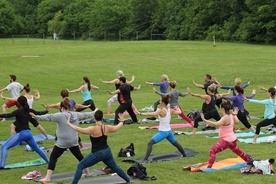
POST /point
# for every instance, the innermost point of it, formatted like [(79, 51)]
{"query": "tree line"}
[(228, 20)]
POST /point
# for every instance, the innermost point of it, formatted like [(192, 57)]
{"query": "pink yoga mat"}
[(172, 126)]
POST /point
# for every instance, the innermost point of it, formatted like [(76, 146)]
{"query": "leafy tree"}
[(7, 17)]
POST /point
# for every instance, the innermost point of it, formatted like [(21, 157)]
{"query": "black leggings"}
[(264, 123), (207, 115), (242, 117), (57, 152), (125, 107), (87, 102)]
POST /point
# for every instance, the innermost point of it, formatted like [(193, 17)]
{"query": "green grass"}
[(62, 64)]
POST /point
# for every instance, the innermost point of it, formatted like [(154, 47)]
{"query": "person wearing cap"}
[(115, 81), (124, 99), (14, 88)]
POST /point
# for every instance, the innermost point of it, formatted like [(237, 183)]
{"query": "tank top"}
[(226, 132), (30, 102), (86, 95), (164, 122), (211, 106), (99, 143)]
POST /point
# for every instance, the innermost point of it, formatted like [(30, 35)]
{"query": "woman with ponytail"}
[(23, 131), (209, 106), (85, 90), (238, 103), (164, 131), (67, 138), (226, 134), (269, 113)]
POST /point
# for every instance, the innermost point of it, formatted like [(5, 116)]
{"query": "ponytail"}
[(88, 83), (173, 84), (166, 99), (27, 88)]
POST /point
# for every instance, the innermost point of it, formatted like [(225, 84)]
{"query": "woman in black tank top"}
[(100, 149), (209, 106)]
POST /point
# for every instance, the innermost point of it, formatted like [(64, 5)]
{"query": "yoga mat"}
[(164, 156), (106, 180), (198, 132), (171, 125), (34, 162), (70, 175), (39, 137), (242, 134), (86, 145), (259, 140), (226, 164)]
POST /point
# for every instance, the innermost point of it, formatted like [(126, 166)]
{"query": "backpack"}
[(140, 172), (128, 122), (127, 152), (193, 114)]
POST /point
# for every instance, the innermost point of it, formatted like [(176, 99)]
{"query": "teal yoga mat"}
[(28, 163), (259, 140), (243, 134)]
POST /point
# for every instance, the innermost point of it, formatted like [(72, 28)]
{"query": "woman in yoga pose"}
[(163, 85), (86, 94), (66, 137), (100, 150), (23, 132), (269, 113), (226, 134), (209, 106), (116, 82), (164, 131), (30, 100), (238, 100), (174, 94)]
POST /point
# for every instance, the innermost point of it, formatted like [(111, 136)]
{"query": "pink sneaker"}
[(31, 175)]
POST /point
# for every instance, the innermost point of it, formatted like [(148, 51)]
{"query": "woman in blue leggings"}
[(100, 149), (23, 132)]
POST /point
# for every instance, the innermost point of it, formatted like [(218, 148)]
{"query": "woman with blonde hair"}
[(209, 106), (163, 86), (116, 82)]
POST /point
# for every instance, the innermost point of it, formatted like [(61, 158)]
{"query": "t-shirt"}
[(207, 84), (163, 86), (124, 95), (14, 88)]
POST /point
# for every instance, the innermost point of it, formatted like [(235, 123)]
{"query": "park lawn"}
[(62, 64)]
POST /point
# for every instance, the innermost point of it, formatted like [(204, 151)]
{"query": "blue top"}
[(86, 95), (237, 100), (163, 86), (269, 107), (232, 88)]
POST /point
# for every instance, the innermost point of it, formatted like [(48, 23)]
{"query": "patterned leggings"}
[(223, 145)]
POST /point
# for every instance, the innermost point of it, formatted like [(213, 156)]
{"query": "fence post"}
[(74, 37), (12, 39), (137, 36), (119, 35), (43, 39), (28, 39), (151, 35)]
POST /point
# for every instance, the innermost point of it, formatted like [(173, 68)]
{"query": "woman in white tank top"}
[(164, 131)]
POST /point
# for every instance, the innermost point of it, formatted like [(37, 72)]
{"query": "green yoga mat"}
[(38, 161)]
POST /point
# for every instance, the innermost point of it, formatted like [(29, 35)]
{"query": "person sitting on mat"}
[(66, 137), (174, 94), (100, 150), (164, 131), (23, 132), (226, 134), (209, 106), (269, 113), (238, 103), (163, 86)]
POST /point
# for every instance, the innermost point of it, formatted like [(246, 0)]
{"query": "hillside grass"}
[(62, 64)]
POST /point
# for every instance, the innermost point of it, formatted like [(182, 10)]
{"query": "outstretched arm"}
[(132, 79), (137, 88), (37, 95), (7, 98), (119, 125), (2, 90), (42, 130), (219, 123), (205, 97), (263, 88), (87, 130), (114, 92), (155, 113), (80, 106), (223, 94), (109, 82), (149, 83), (245, 85), (94, 87), (198, 85), (75, 90), (252, 95)]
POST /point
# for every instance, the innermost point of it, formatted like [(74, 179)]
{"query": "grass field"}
[(62, 64)]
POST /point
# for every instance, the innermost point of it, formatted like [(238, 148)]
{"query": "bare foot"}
[(45, 179), (3, 119)]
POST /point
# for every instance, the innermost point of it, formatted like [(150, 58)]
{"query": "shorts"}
[(113, 99), (10, 103)]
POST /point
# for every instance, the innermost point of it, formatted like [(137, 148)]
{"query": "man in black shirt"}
[(124, 99)]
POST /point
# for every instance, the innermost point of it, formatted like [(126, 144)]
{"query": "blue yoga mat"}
[(39, 137), (242, 134), (34, 162), (259, 140)]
